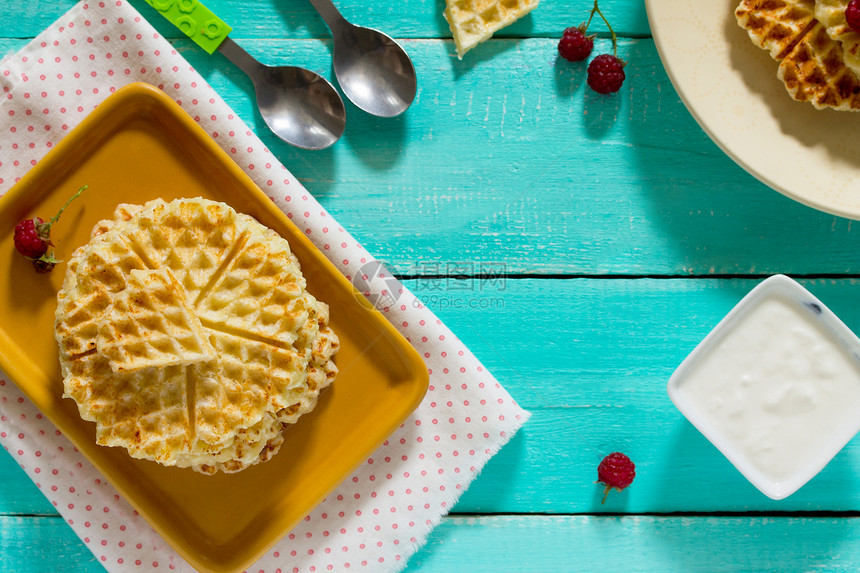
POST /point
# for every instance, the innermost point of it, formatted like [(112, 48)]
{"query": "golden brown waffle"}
[(776, 25), (814, 71), (149, 324), (86, 295), (810, 62), (147, 414), (831, 14), (251, 291), (186, 333), (191, 238), (473, 21)]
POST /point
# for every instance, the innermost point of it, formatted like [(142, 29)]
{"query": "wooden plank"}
[(40, 544), (550, 467), (641, 544), (528, 172), (18, 494), (565, 343), (595, 381), (546, 543), (400, 19), (530, 169)]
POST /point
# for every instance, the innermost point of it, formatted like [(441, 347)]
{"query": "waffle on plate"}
[(831, 14), (186, 333), (811, 63)]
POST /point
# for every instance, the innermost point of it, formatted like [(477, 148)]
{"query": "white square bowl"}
[(775, 386)]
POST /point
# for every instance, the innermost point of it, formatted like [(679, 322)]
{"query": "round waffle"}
[(186, 333)]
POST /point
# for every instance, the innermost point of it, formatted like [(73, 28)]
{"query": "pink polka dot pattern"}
[(382, 513)]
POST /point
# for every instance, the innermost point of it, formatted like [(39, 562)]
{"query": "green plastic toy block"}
[(195, 21)]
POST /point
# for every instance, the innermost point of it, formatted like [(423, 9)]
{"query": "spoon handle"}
[(242, 59), (329, 13), (195, 21)]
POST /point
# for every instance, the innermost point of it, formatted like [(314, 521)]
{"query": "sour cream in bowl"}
[(775, 386)]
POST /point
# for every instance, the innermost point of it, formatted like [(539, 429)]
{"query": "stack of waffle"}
[(187, 335), (816, 49)]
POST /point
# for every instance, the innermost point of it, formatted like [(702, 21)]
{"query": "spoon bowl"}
[(298, 105), (313, 117), (373, 70)]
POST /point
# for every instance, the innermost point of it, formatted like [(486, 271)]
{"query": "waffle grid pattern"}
[(209, 384)]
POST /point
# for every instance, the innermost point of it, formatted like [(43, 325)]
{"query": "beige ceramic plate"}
[(730, 87)]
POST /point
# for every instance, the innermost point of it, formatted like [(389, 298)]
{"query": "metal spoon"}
[(373, 70), (298, 105)]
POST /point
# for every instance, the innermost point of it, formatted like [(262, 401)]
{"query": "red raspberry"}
[(615, 471), (852, 15), (32, 238), (574, 45), (27, 239), (606, 74)]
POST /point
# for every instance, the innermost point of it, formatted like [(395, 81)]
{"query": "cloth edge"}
[(422, 538)]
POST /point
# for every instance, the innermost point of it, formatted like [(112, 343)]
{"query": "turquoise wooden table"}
[(581, 245)]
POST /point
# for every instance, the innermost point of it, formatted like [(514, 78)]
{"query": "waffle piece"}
[(122, 214), (146, 412), (810, 62), (814, 72), (191, 238), (187, 335), (473, 21), (831, 14), (93, 275), (149, 324), (260, 289), (776, 25)]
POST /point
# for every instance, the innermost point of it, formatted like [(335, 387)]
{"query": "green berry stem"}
[(590, 16), (44, 229), (53, 219), (606, 493), (605, 21)]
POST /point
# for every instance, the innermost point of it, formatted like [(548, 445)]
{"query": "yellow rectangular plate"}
[(136, 146)]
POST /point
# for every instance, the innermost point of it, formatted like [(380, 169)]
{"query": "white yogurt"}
[(775, 388)]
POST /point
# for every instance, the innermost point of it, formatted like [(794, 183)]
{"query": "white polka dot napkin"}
[(381, 514)]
